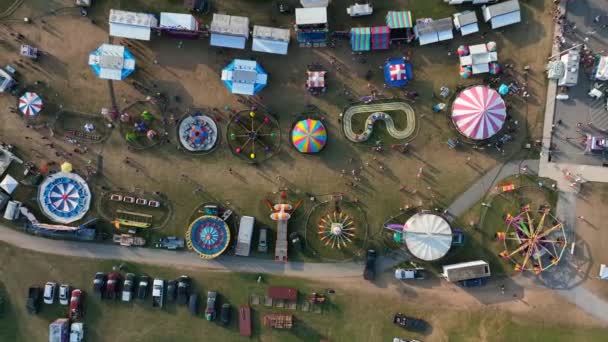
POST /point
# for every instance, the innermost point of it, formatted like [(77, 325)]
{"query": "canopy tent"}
[(400, 24), (360, 38), (244, 77), (431, 31), (316, 79), (381, 37), (9, 184), (397, 72), (6, 81), (270, 40), (358, 10), (603, 272), (502, 14), (112, 62), (466, 22), (479, 112), (479, 58), (178, 21), (571, 61), (309, 136), (601, 69), (314, 3), (427, 236), (229, 31), (30, 104), (131, 25)]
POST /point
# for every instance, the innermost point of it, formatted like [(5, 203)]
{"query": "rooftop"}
[(439, 25), (273, 33), (311, 16), (229, 24), (504, 8)]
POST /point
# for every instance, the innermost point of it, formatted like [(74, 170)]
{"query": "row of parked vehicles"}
[(112, 286)]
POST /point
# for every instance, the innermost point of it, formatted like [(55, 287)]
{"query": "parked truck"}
[(128, 240), (158, 289)]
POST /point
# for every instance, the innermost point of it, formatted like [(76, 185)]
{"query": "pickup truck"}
[(410, 273), (158, 293), (128, 287), (210, 310), (33, 300)]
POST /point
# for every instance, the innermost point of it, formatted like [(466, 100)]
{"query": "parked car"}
[(410, 323), (193, 304), (99, 284), (369, 273), (296, 242), (171, 290), (225, 314), (171, 243), (112, 285), (49, 292), (263, 240), (158, 293), (128, 287), (116, 197), (154, 204), (144, 284), (141, 201), (33, 300), (75, 311), (410, 273), (183, 289), (128, 199), (210, 310), (77, 332), (64, 294)]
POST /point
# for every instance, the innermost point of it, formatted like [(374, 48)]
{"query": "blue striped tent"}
[(360, 38)]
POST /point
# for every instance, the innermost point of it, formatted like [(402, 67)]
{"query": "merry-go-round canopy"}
[(208, 236), (244, 77), (30, 104), (479, 112), (112, 62), (64, 197), (309, 136), (397, 72), (198, 133), (428, 236)]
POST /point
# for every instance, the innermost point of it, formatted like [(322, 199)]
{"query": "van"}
[(263, 241)]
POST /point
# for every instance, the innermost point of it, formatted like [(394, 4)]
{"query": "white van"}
[(49, 292)]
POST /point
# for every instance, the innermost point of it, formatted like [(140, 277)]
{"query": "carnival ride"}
[(533, 244), (337, 228), (479, 112), (82, 232), (281, 213), (427, 236), (397, 72), (198, 133), (309, 136), (378, 112), (249, 132), (30, 104), (130, 219), (209, 236), (64, 197)]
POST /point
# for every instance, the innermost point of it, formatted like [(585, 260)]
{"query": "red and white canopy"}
[(479, 112), (397, 72), (30, 104), (316, 79)]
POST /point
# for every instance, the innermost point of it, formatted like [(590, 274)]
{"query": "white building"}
[(12, 210), (270, 40), (430, 31), (571, 62), (229, 31), (131, 25), (466, 22), (502, 14)]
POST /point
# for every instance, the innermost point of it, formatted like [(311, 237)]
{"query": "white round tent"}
[(428, 236)]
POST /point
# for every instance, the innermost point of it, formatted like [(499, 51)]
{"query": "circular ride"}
[(336, 229), (309, 136), (255, 136), (208, 236), (479, 112), (198, 133), (427, 236), (533, 241), (64, 197)]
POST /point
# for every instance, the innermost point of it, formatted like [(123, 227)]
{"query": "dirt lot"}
[(192, 73)]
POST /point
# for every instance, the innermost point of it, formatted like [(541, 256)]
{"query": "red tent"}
[(380, 37)]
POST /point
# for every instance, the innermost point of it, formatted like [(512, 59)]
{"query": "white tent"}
[(428, 236), (131, 25), (270, 40), (466, 22), (9, 184), (601, 70), (178, 21), (502, 14), (571, 62), (603, 272), (314, 3), (229, 31)]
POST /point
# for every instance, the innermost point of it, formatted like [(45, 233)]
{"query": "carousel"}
[(64, 197), (208, 236), (479, 112), (198, 133)]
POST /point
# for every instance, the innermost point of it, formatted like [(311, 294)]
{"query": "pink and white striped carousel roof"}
[(479, 112)]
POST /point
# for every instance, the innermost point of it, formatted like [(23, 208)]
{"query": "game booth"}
[(244, 77), (229, 31), (198, 133), (401, 26), (397, 72), (309, 136), (131, 25), (64, 197), (208, 236), (479, 112), (112, 62), (311, 26), (179, 25)]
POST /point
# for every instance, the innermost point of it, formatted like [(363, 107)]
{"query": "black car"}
[(369, 273), (410, 323), (171, 290), (193, 304), (142, 289), (99, 284), (183, 289), (225, 314), (34, 295), (296, 242)]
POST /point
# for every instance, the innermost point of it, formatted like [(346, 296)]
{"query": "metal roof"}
[(272, 33), (311, 16), (438, 25), (132, 18), (503, 8), (467, 18), (230, 24)]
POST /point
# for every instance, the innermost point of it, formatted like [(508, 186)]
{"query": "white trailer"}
[(466, 271), (243, 243)]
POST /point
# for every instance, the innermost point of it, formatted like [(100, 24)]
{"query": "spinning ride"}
[(251, 132), (198, 133), (336, 229), (208, 236), (64, 197), (533, 244)]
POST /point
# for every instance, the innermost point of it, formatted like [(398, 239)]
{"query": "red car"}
[(75, 311), (114, 280)]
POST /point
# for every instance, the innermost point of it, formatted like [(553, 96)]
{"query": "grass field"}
[(352, 315)]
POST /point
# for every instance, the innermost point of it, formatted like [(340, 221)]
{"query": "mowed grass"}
[(351, 315)]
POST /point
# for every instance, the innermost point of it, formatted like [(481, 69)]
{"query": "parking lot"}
[(581, 114)]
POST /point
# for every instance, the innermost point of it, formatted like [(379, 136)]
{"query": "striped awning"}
[(380, 37), (399, 19), (360, 38)]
